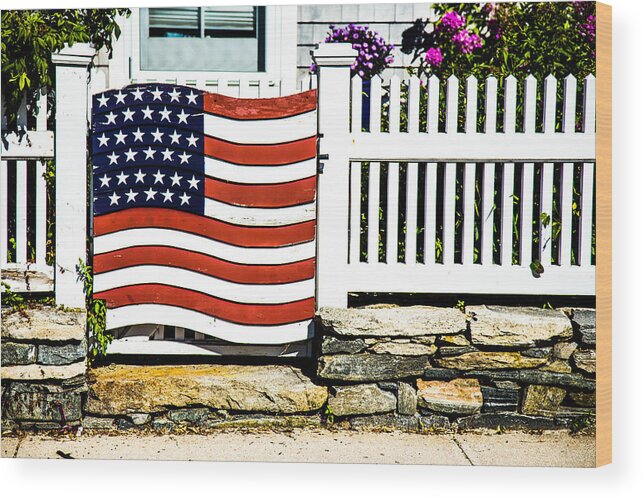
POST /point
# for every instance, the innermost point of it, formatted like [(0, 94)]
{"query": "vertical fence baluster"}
[(223, 87), (4, 211), (392, 211), (179, 333), (506, 245), (589, 122), (448, 242), (566, 199), (41, 216), (263, 88), (546, 206), (394, 105), (414, 105), (41, 117), (430, 212), (530, 105), (569, 109), (356, 104), (433, 105), (355, 211), (509, 125), (452, 105), (376, 105), (488, 209), (245, 92), (526, 213), (468, 224), (21, 211), (549, 114), (587, 205), (411, 212), (373, 212), (472, 105), (491, 105)]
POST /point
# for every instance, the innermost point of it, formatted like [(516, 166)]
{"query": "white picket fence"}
[(455, 231)]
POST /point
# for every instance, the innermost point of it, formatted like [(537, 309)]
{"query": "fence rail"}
[(454, 187)]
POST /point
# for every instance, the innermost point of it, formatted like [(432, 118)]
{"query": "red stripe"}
[(164, 218), (262, 196), (240, 313), (205, 264), (270, 154), (260, 109)]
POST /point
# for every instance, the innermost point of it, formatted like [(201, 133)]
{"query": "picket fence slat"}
[(506, 224), (589, 123), (4, 211), (41, 116), (491, 105), (433, 105), (448, 242), (452, 104), (569, 99), (586, 223), (488, 178), (549, 116), (376, 105), (546, 209), (356, 104), (526, 213), (511, 87), (355, 211), (411, 213), (472, 105), (394, 105), (430, 212), (468, 227), (392, 208), (414, 105), (41, 215), (373, 212), (566, 199), (530, 105)]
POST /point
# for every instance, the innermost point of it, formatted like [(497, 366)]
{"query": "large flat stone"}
[(57, 355), (18, 353), (509, 421), (391, 322), (585, 320), (537, 377), (47, 323), (541, 400), (517, 327), (370, 367), (361, 399), (133, 389), (41, 403), (490, 360), (402, 347), (37, 372), (585, 360), (459, 396), (330, 345)]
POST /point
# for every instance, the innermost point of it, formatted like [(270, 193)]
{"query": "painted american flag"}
[(204, 214)]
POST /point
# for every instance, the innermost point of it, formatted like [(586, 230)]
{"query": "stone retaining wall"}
[(43, 368), (410, 368)]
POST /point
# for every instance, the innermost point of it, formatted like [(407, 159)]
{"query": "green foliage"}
[(96, 311), (329, 415), (12, 299), (29, 37)]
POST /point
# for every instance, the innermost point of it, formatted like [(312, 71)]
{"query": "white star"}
[(184, 157), (147, 113), (150, 194), (157, 135), (157, 93), (128, 115), (137, 94), (130, 154), (167, 154), (111, 119), (194, 183), (103, 140), (149, 153), (103, 99), (131, 195), (175, 137), (120, 137), (113, 158), (105, 180), (114, 199), (192, 140), (122, 178), (138, 135), (185, 199), (192, 97), (140, 176), (167, 195), (120, 97), (176, 180), (174, 95), (165, 114), (183, 117), (158, 177)]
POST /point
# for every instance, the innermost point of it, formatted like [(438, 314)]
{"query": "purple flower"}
[(434, 56), (451, 21), (466, 42)]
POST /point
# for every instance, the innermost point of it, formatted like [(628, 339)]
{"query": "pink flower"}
[(466, 42), (434, 56), (451, 21)]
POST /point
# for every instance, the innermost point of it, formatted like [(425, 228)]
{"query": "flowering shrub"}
[(492, 38), (374, 53)]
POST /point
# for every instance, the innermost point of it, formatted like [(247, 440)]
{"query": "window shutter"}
[(174, 19), (237, 18)]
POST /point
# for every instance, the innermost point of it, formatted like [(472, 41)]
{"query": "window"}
[(203, 39)]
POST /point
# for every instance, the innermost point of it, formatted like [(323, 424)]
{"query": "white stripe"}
[(218, 288), (259, 174), (273, 217), (174, 316), (273, 131), (192, 242)]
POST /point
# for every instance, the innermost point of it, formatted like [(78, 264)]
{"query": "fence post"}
[(333, 62), (71, 170)]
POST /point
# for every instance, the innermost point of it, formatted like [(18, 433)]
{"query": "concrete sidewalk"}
[(318, 445)]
